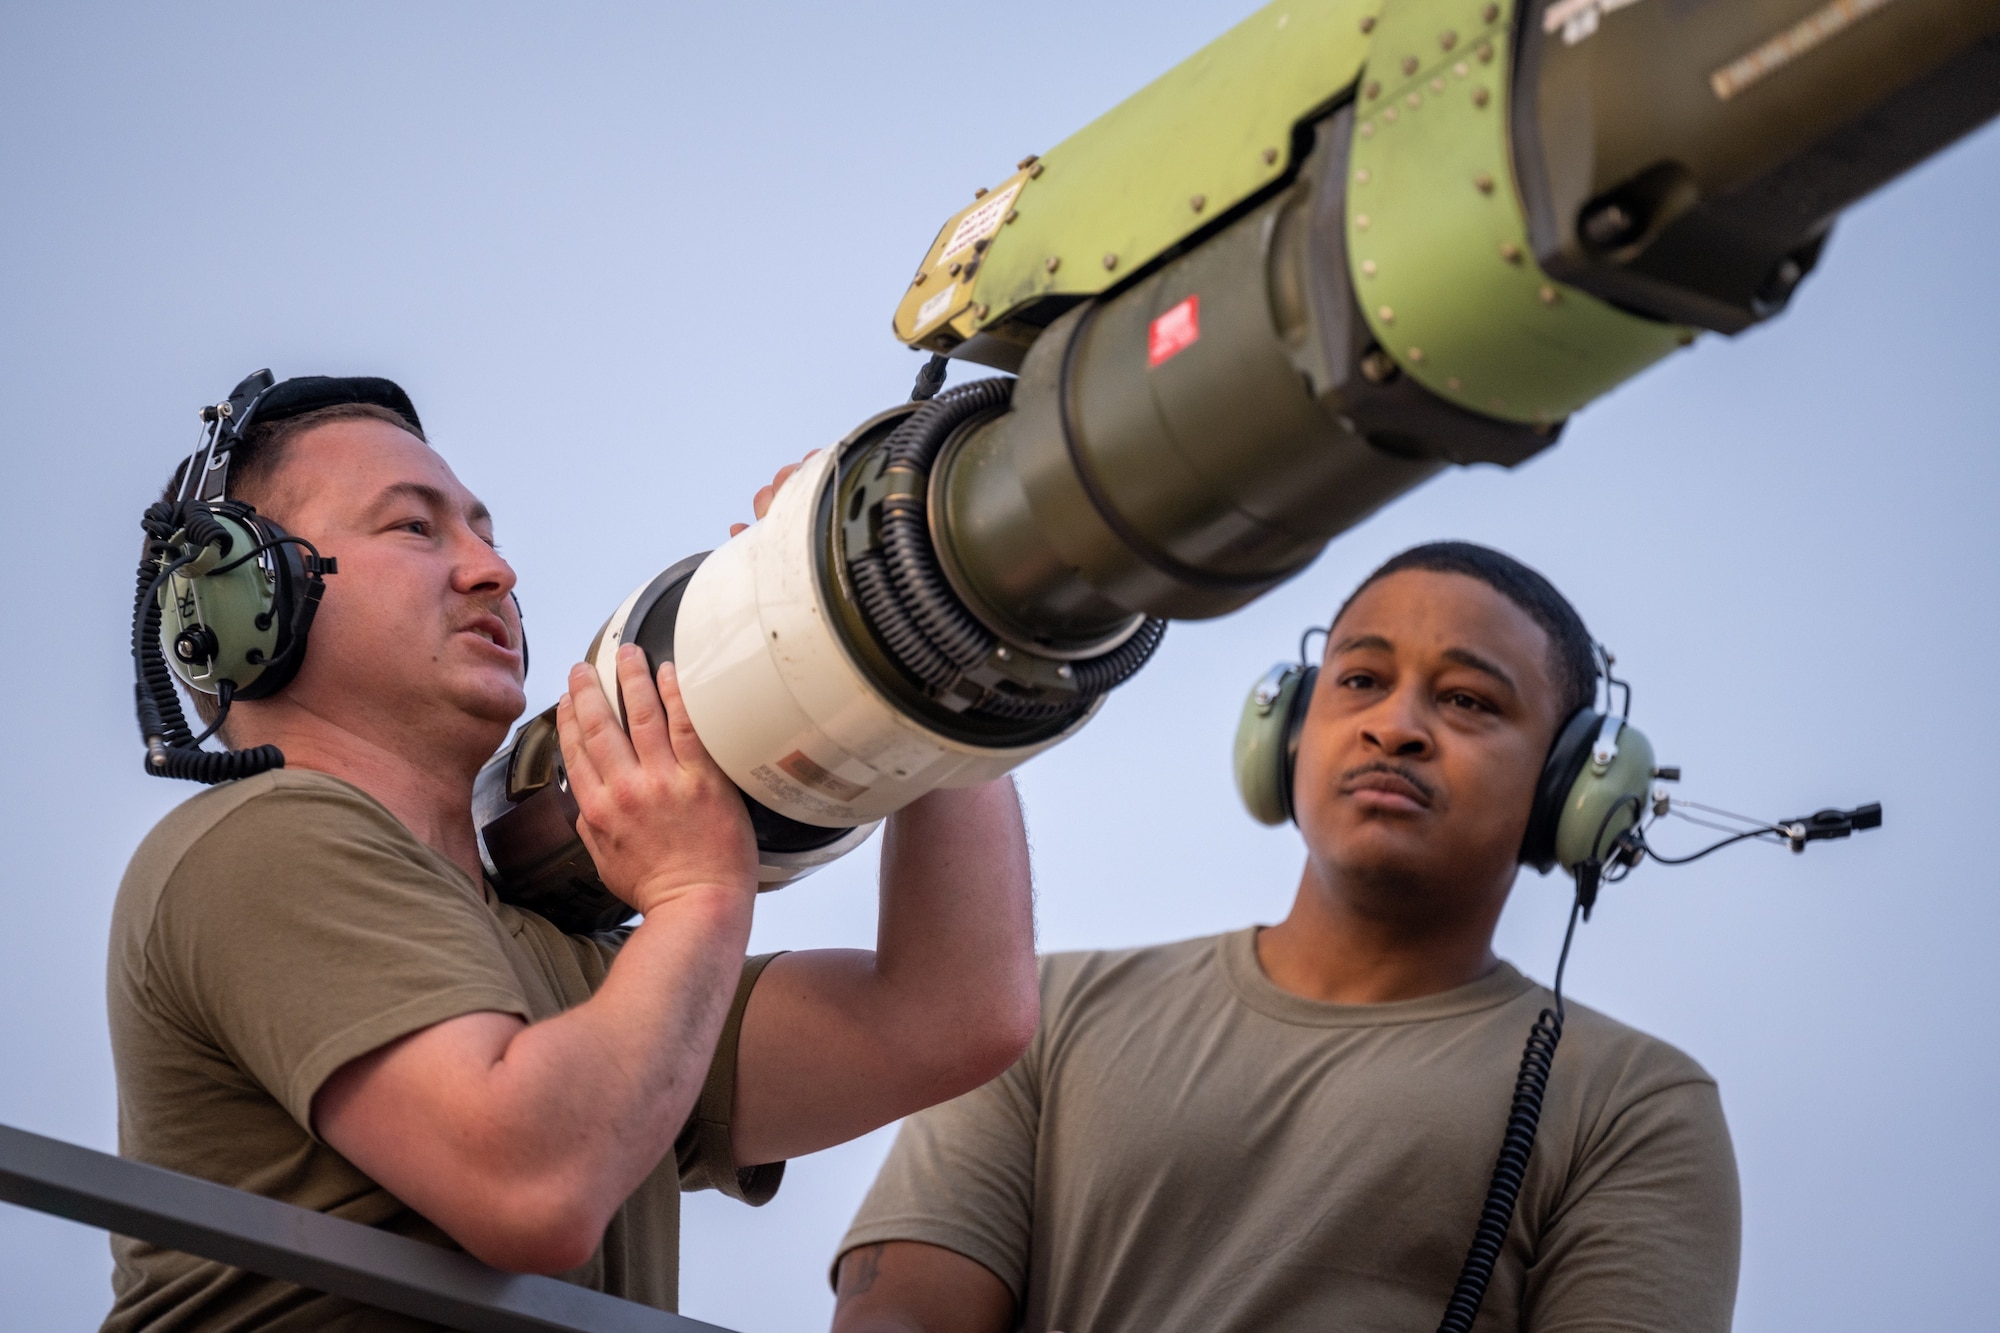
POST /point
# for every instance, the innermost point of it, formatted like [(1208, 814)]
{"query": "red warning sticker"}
[(1174, 332)]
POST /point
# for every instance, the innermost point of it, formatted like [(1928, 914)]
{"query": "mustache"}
[(1424, 789)]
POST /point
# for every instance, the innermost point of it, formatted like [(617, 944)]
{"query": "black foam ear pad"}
[(1559, 774), (521, 619), (1295, 725)]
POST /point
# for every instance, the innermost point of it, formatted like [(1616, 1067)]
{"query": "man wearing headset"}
[(1293, 1126), (314, 994)]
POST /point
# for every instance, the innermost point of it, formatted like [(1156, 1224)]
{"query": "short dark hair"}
[(1572, 652), (257, 457)]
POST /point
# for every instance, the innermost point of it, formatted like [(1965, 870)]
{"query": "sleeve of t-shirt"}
[(961, 1175), (1647, 1236), (704, 1152), (307, 928)]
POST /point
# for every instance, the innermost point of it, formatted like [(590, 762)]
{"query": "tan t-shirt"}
[(266, 933), (1186, 1146)]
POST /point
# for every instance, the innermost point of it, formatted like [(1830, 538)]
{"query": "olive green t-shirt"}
[(1186, 1146), (267, 932)]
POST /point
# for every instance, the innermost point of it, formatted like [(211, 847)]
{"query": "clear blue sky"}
[(627, 258)]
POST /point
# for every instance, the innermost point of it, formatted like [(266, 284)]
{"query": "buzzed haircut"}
[(1572, 652), (258, 455)]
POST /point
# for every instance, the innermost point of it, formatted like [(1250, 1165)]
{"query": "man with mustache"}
[(315, 995), (1293, 1126)]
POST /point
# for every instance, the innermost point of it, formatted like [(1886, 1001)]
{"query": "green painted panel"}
[(1194, 143), (1437, 239)]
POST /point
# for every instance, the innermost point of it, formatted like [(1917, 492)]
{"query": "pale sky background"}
[(627, 258)]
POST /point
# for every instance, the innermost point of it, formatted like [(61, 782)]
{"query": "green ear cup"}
[(1608, 797), (218, 617), (1263, 743)]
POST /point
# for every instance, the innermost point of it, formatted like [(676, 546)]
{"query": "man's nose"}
[(1396, 731), (481, 569)]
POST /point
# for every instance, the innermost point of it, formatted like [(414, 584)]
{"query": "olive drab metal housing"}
[(1346, 245)]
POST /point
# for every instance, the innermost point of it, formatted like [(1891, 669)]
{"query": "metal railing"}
[(311, 1249)]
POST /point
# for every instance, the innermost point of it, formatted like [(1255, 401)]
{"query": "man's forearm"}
[(837, 1042)]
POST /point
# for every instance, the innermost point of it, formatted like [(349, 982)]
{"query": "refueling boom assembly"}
[(1346, 245)]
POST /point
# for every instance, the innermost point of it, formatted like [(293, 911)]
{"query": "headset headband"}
[(258, 400)]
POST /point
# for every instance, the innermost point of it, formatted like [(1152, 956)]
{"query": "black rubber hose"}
[(885, 613), (1101, 674)]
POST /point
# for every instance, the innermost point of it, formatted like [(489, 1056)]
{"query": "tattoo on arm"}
[(859, 1270)]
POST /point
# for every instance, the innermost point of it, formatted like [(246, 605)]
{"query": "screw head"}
[(1416, 355), (1373, 90), (918, 281), (1387, 314), (1483, 183), (1409, 64), (1415, 100), (979, 246), (1362, 177), (1461, 69), (1437, 84), (1447, 39), (955, 267), (1368, 267), (1510, 252), (979, 311), (1548, 295), (979, 193), (1035, 172), (1110, 262), (1198, 202), (1367, 23), (1026, 162), (1361, 221), (1486, 53), (1063, 670), (1003, 653), (1367, 129), (1377, 367), (1012, 213), (1389, 115), (1270, 156), (1480, 96), (1052, 263), (1490, 13)]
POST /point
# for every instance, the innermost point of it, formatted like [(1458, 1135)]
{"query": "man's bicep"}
[(911, 1287), (1652, 1237), (395, 1111)]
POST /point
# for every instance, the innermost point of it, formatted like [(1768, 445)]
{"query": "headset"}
[(1593, 790), (226, 597)]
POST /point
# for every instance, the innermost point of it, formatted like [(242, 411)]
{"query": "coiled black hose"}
[(904, 593), (1524, 1117)]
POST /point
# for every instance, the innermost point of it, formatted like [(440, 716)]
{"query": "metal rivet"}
[(1548, 294), (980, 310), (1373, 90), (1361, 222), (1415, 99), (1490, 13), (1026, 162), (1198, 203), (918, 281), (1362, 177), (1012, 213), (1110, 261), (1437, 85), (1270, 156), (1480, 96), (1409, 64), (1454, 383), (1003, 654), (1035, 172), (1486, 53), (1510, 252), (1367, 23), (955, 267), (971, 267), (1052, 263), (1389, 115), (1483, 183), (979, 246), (1387, 314), (1461, 69), (1367, 129), (979, 193), (1368, 267), (1447, 39), (1064, 671), (1417, 354)]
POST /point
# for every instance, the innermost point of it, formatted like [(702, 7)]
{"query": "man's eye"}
[(1358, 680), (1460, 699), (419, 526)]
